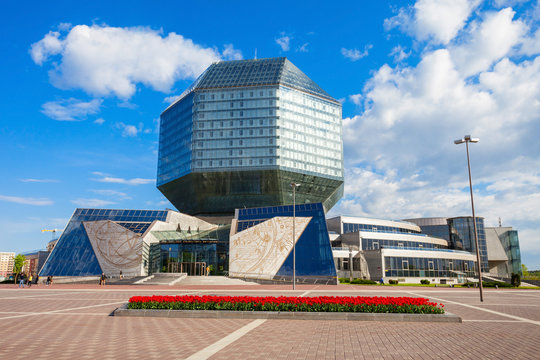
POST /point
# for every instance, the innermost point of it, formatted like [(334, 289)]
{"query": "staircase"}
[(162, 279)]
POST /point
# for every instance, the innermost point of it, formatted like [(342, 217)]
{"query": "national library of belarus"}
[(229, 149)]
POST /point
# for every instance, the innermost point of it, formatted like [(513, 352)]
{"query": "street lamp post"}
[(294, 186), (467, 139)]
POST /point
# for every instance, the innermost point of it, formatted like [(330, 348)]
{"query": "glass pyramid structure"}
[(73, 254)]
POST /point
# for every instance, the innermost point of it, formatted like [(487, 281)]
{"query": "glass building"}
[(462, 237), (242, 132)]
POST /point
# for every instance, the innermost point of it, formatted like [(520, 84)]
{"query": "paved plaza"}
[(74, 322)]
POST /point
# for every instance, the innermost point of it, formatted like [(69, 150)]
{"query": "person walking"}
[(48, 280), (102, 279), (21, 280), (30, 280)]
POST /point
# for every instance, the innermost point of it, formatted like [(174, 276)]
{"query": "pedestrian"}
[(121, 275), (51, 279), (21, 280), (207, 270), (37, 279), (102, 279), (30, 280), (48, 280)]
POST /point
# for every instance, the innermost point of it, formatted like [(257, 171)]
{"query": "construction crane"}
[(53, 231)]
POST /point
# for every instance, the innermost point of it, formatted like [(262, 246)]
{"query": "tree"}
[(524, 270), (18, 265)]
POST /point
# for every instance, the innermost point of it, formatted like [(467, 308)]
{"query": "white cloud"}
[(115, 180), (436, 20), (284, 42), (92, 203), (355, 54), (407, 164), (99, 121), (64, 26), (129, 130), (40, 180), (488, 41), (441, 20), (171, 99), (303, 48), (104, 60), (70, 109), (48, 46), (399, 53), (230, 53), (112, 193), (26, 200), (356, 99)]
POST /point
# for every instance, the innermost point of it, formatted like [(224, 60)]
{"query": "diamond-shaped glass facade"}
[(244, 129)]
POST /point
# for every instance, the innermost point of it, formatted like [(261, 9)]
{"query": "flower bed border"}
[(355, 304), (343, 316)]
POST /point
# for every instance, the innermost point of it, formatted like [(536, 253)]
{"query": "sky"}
[(83, 87)]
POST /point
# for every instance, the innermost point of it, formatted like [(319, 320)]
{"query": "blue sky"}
[(83, 87)]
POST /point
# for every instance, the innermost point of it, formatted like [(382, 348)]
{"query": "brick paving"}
[(72, 321)]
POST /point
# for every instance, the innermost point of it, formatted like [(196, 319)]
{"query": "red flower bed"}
[(375, 304)]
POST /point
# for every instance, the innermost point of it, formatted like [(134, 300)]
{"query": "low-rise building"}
[(7, 260)]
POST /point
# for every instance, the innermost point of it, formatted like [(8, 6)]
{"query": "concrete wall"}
[(374, 264)]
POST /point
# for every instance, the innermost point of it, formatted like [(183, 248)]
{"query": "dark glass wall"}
[(175, 141), (462, 237), (439, 231), (510, 242), (221, 192)]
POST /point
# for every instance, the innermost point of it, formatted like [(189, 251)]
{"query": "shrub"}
[(363, 281), (495, 284), (516, 280), (344, 280), (424, 282), (393, 282)]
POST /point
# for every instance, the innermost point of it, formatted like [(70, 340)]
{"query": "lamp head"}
[(471, 139)]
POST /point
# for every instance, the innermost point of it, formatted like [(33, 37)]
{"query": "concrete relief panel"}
[(116, 248), (259, 252)]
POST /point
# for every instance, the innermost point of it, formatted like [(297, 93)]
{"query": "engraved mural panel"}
[(259, 251), (116, 248)]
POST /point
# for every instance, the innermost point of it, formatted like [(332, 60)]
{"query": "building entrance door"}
[(191, 268)]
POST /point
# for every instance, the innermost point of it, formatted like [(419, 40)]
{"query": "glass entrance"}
[(190, 268), (193, 259)]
